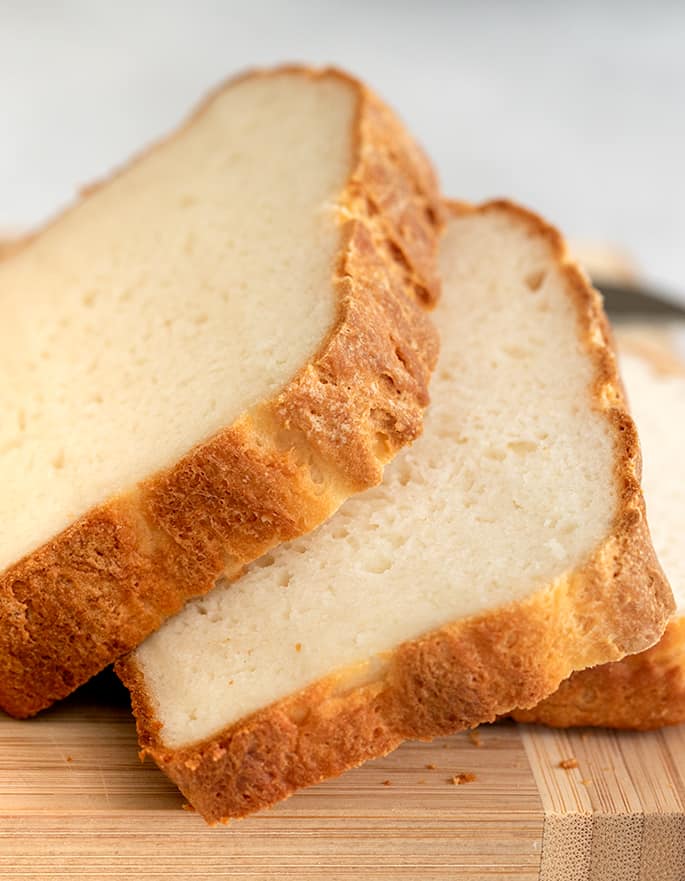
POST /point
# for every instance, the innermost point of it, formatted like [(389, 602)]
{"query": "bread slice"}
[(646, 690), (202, 358), (505, 549)]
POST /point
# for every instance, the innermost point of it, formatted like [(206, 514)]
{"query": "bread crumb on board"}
[(430, 766), (474, 736), (462, 777), (387, 783), (569, 764)]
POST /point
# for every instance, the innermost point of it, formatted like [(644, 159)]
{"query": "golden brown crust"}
[(641, 692), (646, 690), (102, 585), (459, 676)]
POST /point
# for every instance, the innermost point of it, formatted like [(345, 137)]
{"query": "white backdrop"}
[(578, 109)]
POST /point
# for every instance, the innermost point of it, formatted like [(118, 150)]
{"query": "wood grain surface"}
[(76, 803)]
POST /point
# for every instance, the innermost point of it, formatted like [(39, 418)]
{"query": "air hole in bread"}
[(522, 447), (534, 280)]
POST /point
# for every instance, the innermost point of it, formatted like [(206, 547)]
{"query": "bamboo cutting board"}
[(76, 803)]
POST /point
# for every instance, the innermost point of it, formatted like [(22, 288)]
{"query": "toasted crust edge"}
[(458, 676), (100, 587), (643, 691), (640, 693)]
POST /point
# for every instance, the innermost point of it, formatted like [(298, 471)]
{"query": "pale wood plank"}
[(620, 814), (103, 815)]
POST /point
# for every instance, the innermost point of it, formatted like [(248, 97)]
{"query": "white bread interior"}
[(196, 283), (657, 403), (511, 486), (645, 690)]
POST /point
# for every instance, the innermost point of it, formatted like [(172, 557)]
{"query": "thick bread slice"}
[(503, 550), (646, 690), (203, 358)]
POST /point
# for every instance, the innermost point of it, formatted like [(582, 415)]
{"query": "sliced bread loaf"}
[(503, 550), (646, 690), (202, 358)]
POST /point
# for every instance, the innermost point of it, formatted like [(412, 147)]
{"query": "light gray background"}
[(575, 108)]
